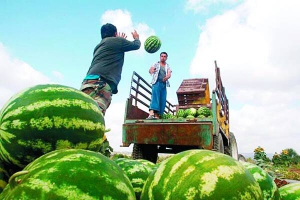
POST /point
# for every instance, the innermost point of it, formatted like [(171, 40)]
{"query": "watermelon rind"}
[(201, 174), (71, 174)]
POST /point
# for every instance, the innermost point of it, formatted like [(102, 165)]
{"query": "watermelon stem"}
[(12, 180)]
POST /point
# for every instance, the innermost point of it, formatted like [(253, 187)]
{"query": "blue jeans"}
[(159, 97)]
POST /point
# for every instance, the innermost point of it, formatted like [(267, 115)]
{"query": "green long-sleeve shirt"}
[(108, 59)]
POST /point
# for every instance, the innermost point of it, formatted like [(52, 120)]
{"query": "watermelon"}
[(147, 163), (201, 174), (201, 116), (47, 117), (290, 191), (190, 111), (70, 174), (204, 111), (190, 117), (180, 113), (137, 172), (152, 44), (265, 181)]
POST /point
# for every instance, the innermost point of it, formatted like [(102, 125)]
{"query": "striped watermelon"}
[(290, 191), (70, 174), (201, 174), (47, 117), (265, 181), (137, 172), (152, 44), (180, 113), (204, 111)]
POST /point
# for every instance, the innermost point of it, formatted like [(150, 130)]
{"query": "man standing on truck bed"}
[(104, 74), (161, 72)]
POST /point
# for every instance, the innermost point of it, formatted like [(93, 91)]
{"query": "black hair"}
[(108, 30), (163, 53)]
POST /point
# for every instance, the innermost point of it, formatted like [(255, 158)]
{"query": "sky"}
[(255, 43)]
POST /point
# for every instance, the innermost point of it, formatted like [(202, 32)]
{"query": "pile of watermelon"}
[(50, 138), (190, 113)]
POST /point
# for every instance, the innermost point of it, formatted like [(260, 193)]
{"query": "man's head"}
[(108, 30), (163, 56)]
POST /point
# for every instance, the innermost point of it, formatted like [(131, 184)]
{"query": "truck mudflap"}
[(186, 134)]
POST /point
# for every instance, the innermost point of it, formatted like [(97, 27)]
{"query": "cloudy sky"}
[(255, 43)]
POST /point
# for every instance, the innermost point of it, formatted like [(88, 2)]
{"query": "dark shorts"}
[(100, 91)]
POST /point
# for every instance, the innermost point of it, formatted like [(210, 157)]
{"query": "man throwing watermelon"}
[(161, 72), (104, 74)]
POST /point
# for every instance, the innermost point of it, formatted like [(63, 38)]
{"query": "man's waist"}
[(92, 78)]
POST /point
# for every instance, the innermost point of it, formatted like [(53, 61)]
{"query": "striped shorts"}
[(100, 91)]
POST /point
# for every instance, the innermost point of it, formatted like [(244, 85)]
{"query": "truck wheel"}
[(137, 152), (218, 143), (144, 151), (232, 149)]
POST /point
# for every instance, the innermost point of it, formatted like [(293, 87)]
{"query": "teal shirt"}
[(161, 74), (108, 59)]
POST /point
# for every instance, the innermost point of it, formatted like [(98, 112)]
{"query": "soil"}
[(295, 170)]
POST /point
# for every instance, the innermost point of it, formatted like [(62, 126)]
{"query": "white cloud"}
[(256, 46), (113, 119), (123, 21), (16, 75), (200, 5)]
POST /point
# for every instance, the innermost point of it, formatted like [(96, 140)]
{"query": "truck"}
[(176, 134)]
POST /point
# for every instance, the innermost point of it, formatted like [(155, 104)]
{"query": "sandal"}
[(151, 117)]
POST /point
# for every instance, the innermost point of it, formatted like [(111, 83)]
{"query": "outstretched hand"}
[(123, 35), (135, 35)]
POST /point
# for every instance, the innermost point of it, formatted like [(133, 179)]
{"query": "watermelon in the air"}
[(137, 172), (265, 181), (201, 174), (47, 117), (290, 191), (70, 174), (152, 44)]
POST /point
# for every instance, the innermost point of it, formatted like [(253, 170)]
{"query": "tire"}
[(232, 149), (137, 152), (218, 143), (241, 158), (145, 151)]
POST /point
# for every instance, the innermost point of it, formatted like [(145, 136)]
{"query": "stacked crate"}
[(193, 93)]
